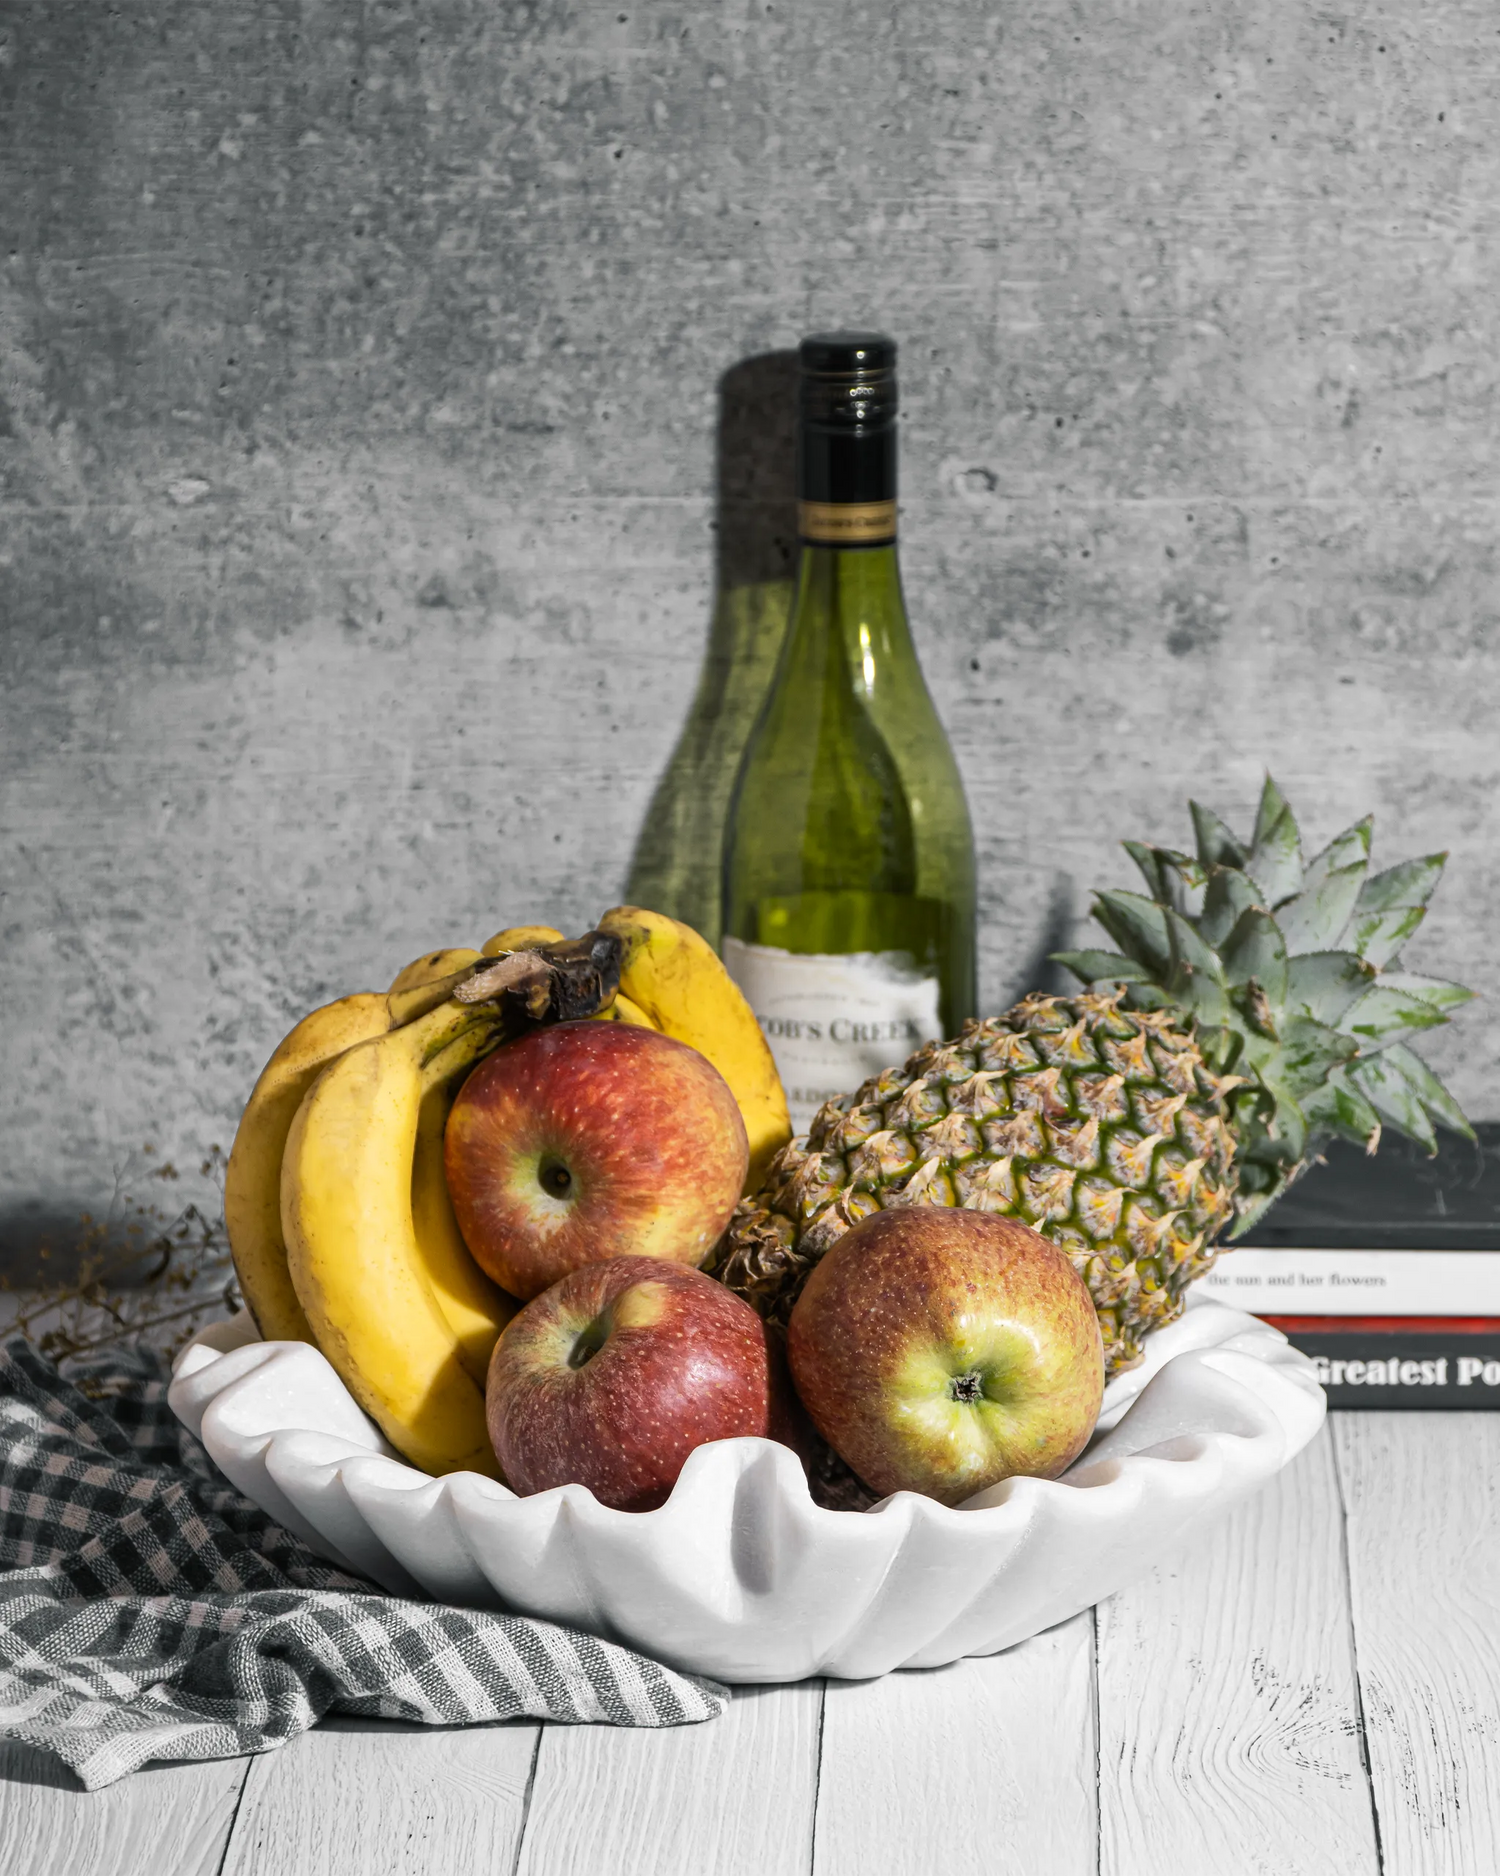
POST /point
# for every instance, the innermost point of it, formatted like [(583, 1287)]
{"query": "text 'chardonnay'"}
[(849, 861)]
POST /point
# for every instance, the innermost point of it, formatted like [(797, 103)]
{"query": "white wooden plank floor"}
[(1314, 1686)]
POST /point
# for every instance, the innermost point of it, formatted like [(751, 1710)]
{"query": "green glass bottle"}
[(848, 859)]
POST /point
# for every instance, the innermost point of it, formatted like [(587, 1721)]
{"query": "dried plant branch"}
[(156, 1293)]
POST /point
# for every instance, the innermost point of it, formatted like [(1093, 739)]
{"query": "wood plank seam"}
[(982, 1764), (812, 1836), (1098, 1741), (1359, 1687), (1423, 1493), (181, 1810), (632, 1801), (536, 1753), (234, 1815), (1227, 1712)]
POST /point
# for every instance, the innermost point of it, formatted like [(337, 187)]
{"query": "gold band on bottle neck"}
[(847, 524)]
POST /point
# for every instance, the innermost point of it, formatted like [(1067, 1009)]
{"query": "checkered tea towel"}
[(147, 1611)]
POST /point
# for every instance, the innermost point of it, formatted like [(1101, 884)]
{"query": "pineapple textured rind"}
[(1247, 1015), (1098, 1125)]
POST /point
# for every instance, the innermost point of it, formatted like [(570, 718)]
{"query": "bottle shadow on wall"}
[(675, 867), (1039, 972)]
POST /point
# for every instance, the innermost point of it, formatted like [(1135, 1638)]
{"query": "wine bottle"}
[(848, 860)]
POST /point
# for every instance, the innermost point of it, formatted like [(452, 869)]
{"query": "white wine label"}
[(833, 1021)]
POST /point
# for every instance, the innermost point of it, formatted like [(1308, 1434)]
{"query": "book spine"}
[(1401, 1365), (1355, 1282)]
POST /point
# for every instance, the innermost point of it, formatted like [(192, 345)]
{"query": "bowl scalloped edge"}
[(740, 1575)]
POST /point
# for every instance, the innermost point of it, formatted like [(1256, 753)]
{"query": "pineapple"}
[(1255, 1007)]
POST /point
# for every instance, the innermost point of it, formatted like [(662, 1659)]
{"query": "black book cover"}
[(1399, 1200)]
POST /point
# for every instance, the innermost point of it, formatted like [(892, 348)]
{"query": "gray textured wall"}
[(362, 446)]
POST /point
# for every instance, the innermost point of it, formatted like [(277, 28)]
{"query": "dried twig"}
[(157, 1292)]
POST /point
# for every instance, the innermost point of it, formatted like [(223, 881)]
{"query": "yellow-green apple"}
[(940, 1351), (592, 1140), (614, 1375)]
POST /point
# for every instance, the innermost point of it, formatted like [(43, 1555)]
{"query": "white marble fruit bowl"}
[(740, 1575)]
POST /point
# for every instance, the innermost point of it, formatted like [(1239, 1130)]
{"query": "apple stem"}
[(555, 1179)]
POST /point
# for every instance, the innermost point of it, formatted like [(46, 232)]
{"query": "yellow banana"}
[(475, 1308), (431, 967), (252, 1182), (622, 1010), (416, 1000), (676, 979), (346, 1210), (518, 937)]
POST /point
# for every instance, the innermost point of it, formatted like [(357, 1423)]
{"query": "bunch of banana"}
[(672, 980), (336, 1202)]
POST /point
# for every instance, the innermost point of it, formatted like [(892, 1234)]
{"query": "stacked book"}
[(1386, 1271)]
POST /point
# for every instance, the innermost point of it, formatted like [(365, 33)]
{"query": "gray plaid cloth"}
[(148, 1611)]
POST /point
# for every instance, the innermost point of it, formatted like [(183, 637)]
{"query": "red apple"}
[(940, 1351), (592, 1140), (614, 1375)]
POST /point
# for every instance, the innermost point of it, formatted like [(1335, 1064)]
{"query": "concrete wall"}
[(378, 517)]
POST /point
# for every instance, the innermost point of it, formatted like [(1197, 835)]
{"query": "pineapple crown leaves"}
[(1282, 964)]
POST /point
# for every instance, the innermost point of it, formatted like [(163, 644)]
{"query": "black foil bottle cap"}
[(846, 439), (847, 352), (848, 380)]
